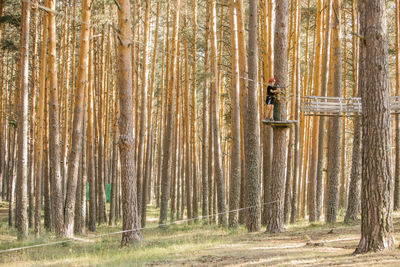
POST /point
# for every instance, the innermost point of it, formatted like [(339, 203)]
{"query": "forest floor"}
[(302, 244)]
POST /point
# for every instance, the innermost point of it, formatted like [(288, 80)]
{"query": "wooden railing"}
[(337, 106)]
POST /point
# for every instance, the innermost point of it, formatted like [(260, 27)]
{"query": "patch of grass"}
[(158, 244), (179, 243)]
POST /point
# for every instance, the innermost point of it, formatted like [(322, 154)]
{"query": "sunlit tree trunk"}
[(22, 169), (397, 167), (188, 170), (11, 181), (32, 115), (193, 112), (252, 149), (174, 169), (334, 127), (130, 219), (2, 126), (205, 136), (167, 155), (76, 149), (315, 127), (322, 119), (243, 105), (279, 160), (234, 188), (100, 88), (39, 155), (143, 106), (147, 177), (219, 175), (91, 144), (377, 188), (55, 172), (48, 219), (297, 137)]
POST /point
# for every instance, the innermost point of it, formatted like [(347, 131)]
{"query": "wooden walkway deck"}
[(336, 106)]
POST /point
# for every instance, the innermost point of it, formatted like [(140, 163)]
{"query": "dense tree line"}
[(107, 107)]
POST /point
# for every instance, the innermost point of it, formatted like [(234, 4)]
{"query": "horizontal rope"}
[(130, 230)]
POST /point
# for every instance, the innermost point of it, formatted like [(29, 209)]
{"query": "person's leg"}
[(270, 113)]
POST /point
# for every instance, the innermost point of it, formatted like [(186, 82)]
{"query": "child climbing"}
[(272, 90)]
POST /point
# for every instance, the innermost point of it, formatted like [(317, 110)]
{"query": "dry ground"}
[(205, 245), (296, 247)]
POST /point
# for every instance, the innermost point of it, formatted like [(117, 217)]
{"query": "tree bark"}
[(219, 172), (205, 143), (39, 155), (143, 106), (252, 149), (22, 170), (55, 171), (130, 219), (76, 149), (279, 161), (353, 206), (377, 187), (193, 113), (322, 120), (167, 142), (335, 124), (234, 188), (311, 191), (243, 106), (397, 128)]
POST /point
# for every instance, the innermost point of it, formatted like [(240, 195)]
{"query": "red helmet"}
[(271, 80)]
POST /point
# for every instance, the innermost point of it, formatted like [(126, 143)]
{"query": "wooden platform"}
[(283, 124), (338, 107)]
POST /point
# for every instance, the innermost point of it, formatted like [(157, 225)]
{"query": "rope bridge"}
[(337, 106)]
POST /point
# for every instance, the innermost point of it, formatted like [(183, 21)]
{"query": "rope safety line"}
[(130, 230)]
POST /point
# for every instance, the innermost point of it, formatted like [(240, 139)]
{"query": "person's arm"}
[(275, 90)]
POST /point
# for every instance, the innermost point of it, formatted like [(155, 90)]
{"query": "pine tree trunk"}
[(90, 146), (322, 120), (130, 219), (114, 181), (188, 170), (314, 147), (76, 149), (143, 106), (173, 169), (397, 129), (275, 220), (252, 149), (296, 163), (32, 128), (353, 206), (39, 155), (335, 124), (55, 171), (377, 188), (193, 113), (234, 188), (22, 169), (289, 173), (243, 106), (205, 144), (11, 180), (219, 175), (167, 142), (48, 219)]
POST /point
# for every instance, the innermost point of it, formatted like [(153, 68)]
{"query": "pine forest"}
[(199, 132)]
